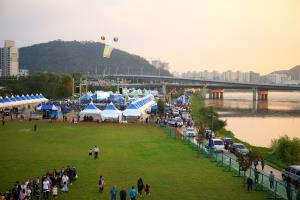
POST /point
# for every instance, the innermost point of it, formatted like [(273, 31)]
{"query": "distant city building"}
[(23, 72), (231, 76), (9, 59), (160, 65), (278, 78)]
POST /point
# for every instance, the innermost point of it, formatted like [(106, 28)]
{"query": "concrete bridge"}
[(215, 88)]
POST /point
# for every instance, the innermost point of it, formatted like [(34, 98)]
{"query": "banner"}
[(107, 51)]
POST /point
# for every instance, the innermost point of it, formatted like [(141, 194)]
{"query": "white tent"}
[(91, 110), (111, 112), (132, 111)]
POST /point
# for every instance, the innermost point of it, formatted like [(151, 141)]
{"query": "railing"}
[(280, 189)]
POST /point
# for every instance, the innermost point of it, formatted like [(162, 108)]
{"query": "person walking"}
[(132, 193), (288, 188), (262, 161), (249, 184), (255, 163), (101, 184), (140, 186), (256, 175), (96, 151), (123, 194), (271, 180), (113, 193)]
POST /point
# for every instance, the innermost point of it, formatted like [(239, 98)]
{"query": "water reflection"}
[(258, 122)]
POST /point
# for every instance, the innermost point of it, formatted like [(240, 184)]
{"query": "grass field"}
[(128, 152)]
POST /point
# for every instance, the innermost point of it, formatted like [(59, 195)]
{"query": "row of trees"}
[(52, 85)]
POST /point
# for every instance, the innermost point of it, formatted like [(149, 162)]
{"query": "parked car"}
[(218, 145), (228, 142), (190, 132), (238, 148), (292, 172)]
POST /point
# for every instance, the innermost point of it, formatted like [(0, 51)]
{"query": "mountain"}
[(84, 57), (293, 72)]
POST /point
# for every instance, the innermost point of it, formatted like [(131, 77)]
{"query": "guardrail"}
[(280, 189)]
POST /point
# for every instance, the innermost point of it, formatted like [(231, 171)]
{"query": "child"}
[(54, 191), (90, 152), (65, 187), (147, 189)]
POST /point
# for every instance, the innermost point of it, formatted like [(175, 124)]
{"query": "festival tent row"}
[(139, 106), (136, 109), (16, 101)]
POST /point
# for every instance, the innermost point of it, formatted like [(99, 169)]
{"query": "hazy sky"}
[(259, 35)]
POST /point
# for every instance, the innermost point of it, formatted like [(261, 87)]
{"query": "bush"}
[(287, 149)]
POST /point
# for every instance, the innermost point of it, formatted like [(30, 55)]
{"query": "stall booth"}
[(111, 113), (90, 113)]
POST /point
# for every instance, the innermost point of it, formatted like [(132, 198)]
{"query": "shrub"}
[(287, 149)]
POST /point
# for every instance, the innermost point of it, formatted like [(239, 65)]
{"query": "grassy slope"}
[(173, 170), (265, 152)]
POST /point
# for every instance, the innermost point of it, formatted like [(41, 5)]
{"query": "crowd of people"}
[(42, 188), (133, 193)]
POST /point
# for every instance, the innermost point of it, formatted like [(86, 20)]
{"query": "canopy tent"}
[(111, 112), (85, 99), (47, 107), (132, 111), (15, 101), (91, 110)]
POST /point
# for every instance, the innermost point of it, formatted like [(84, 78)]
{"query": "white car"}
[(218, 145), (190, 132)]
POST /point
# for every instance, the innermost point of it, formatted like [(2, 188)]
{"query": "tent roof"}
[(110, 106)]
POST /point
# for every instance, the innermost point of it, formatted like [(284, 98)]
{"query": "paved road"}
[(267, 168)]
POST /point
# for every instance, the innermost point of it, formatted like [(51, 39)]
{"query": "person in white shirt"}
[(64, 179), (46, 185), (54, 191), (96, 151)]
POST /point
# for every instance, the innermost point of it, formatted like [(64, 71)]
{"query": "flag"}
[(107, 51)]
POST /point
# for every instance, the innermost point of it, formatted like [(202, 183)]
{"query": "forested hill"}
[(74, 56)]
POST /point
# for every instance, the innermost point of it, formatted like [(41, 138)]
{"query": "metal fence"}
[(279, 190)]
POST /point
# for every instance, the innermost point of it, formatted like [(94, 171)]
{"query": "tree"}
[(161, 106)]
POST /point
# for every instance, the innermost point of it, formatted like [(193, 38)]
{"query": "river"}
[(259, 122)]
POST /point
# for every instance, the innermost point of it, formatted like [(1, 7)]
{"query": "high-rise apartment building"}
[(9, 59)]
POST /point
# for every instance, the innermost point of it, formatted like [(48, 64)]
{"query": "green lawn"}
[(128, 152)]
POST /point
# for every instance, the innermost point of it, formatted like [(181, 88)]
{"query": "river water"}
[(259, 122)]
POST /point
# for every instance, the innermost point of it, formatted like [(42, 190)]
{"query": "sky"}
[(258, 35)]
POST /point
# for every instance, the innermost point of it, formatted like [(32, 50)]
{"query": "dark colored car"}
[(238, 148)]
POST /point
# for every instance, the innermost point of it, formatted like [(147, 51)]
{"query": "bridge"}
[(215, 87)]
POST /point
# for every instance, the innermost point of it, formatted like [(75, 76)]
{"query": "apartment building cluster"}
[(9, 61), (232, 76)]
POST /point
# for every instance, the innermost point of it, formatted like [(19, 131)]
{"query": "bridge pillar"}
[(216, 94), (262, 95), (254, 91)]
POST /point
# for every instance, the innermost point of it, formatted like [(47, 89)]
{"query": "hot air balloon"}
[(102, 37), (116, 39)]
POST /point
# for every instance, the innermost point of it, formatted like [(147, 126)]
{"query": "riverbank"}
[(197, 103)]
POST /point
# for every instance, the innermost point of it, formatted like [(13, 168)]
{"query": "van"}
[(292, 172)]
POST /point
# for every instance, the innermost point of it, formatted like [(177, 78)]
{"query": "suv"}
[(238, 148), (292, 172), (218, 145)]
